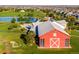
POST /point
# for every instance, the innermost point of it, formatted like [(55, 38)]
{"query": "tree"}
[(13, 20), (71, 18), (30, 14), (50, 15), (28, 38), (23, 38), (71, 22), (13, 25)]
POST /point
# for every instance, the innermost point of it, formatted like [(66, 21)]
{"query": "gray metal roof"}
[(59, 27), (44, 27), (47, 26)]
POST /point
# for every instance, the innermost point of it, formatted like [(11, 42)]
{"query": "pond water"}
[(7, 19)]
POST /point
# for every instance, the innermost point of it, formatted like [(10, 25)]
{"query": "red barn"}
[(52, 35)]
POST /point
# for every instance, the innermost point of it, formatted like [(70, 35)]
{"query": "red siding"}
[(49, 35)]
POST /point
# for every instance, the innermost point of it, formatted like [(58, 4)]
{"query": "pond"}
[(7, 19)]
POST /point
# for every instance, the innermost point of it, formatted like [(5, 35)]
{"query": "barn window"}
[(66, 42), (54, 34), (42, 42)]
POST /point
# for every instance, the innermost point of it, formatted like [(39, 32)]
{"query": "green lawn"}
[(10, 13), (8, 36)]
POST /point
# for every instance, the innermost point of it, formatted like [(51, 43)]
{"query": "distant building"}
[(22, 10), (63, 23)]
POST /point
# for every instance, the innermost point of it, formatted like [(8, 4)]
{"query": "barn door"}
[(54, 42)]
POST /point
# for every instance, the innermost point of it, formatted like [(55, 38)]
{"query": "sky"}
[(39, 2)]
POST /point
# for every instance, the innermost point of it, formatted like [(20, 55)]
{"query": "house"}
[(22, 10), (52, 35), (69, 13), (63, 23)]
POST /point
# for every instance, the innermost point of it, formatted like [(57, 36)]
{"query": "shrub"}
[(13, 25), (13, 20), (28, 38)]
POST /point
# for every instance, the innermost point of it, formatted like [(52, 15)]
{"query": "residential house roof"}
[(62, 22)]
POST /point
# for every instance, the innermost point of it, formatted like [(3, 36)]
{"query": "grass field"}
[(10, 13), (7, 36)]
